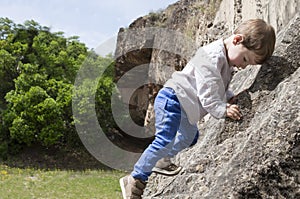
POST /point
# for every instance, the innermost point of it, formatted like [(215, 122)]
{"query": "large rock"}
[(258, 157), (276, 12), (190, 18)]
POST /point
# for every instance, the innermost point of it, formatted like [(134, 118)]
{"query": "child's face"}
[(239, 56)]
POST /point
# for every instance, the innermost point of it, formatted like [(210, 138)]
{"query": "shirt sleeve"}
[(210, 87), (229, 94)]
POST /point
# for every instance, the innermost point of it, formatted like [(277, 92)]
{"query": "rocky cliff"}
[(257, 157)]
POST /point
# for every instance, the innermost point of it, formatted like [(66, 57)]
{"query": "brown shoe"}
[(165, 167), (132, 188)]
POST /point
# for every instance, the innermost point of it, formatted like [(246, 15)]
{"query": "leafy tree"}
[(37, 72), (97, 78)]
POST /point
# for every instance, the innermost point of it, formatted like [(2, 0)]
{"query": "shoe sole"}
[(122, 185), (166, 173)]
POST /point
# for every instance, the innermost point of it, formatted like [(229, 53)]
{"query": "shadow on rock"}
[(277, 68)]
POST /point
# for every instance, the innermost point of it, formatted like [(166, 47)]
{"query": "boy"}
[(200, 88)]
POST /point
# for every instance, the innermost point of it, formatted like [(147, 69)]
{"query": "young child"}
[(200, 88)]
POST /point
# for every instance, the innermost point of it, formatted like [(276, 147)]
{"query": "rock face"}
[(257, 157), (191, 18), (276, 12)]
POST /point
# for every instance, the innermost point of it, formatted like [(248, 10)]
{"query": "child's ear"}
[(238, 39)]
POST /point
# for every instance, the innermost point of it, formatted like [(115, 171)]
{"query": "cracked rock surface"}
[(258, 157)]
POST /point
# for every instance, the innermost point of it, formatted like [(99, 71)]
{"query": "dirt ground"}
[(54, 158)]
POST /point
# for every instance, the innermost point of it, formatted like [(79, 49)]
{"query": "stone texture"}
[(276, 12), (191, 18), (257, 157)]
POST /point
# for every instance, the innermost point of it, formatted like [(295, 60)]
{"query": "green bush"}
[(3, 150), (37, 72)]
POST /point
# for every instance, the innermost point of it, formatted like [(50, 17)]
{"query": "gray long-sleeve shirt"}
[(202, 86)]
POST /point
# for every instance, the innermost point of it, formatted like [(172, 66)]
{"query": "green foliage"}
[(155, 15), (3, 150), (36, 117), (103, 100), (97, 81), (37, 72)]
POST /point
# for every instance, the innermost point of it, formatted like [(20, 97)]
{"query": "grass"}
[(36, 183)]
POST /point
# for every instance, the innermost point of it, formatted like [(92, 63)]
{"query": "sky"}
[(94, 21)]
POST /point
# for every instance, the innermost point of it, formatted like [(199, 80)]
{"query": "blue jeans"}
[(173, 133)]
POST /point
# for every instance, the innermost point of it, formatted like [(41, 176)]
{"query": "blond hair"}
[(259, 37)]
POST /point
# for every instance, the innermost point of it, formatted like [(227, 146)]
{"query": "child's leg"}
[(167, 120), (187, 135)]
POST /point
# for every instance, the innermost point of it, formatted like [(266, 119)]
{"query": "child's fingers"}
[(236, 112), (233, 112)]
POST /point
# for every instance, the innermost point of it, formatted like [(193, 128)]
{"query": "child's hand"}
[(233, 112)]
